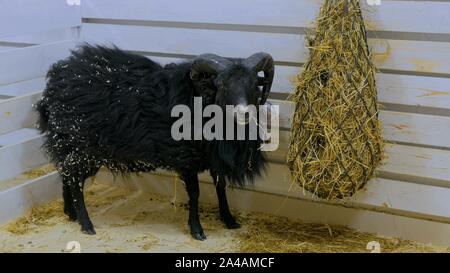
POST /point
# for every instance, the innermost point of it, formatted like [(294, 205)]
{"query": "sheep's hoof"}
[(233, 225), (88, 228), (88, 231), (199, 236), (230, 222)]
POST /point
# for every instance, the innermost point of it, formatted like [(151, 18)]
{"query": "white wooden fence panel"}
[(51, 36), (28, 16), (390, 16), (17, 200), (423, 165), (18, 158), (17, 113), (23, 87), (417, 56), (31, 62), (196, 41), (416, 128), (5, 48), (414, 90), (18, 136)]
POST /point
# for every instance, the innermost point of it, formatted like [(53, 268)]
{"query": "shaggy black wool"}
[(107, 107)]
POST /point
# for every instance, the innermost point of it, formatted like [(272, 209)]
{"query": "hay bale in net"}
[(336, 141)]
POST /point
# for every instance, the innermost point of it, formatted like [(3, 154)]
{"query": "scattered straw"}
[(127, 221), (47, 214), (39, 171), (336, 141), (265, 233), (40, 215)]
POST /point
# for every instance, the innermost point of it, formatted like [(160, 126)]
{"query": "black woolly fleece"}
[(107, 107)]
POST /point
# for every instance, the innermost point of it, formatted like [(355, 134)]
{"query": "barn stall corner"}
[(360, 94)]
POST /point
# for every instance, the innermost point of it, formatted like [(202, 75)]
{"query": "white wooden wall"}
[(411, 44), (33, 35)]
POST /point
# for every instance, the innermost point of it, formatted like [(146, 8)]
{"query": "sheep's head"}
[(236, 82)]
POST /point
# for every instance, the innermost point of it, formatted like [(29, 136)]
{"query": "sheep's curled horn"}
[(209, 64), (214, 64), (262, 62)]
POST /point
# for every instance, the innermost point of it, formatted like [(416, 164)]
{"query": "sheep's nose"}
[(241, 108), (242, 114)]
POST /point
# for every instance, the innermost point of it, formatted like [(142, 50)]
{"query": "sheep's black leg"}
[(69, 210), (193, 190), (224, 210), (74, 172), (76, 189)]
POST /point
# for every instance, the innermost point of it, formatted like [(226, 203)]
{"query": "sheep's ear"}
[(205, 88)]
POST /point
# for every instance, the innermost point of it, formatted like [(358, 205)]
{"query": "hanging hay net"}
[(336, 141)]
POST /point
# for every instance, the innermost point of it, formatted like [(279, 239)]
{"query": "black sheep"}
[(107, 107)]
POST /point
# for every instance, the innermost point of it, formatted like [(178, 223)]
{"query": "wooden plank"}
[(416, 128), (422, 165), (390, 16), (49, 36), (397, 126), (414, 90), (17, 200), (401, 16), (5, 48), (416, 56), (195, 41), (244, 12), (23, 88), (28, 16), (18, 158), (18, 136), (31, 62), (17, 113)]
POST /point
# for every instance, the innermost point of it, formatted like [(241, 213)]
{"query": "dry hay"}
[(39, 215), (39, 171), (131, 226), (266, 233), (26, 176), (48, 214), (336, 141)]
